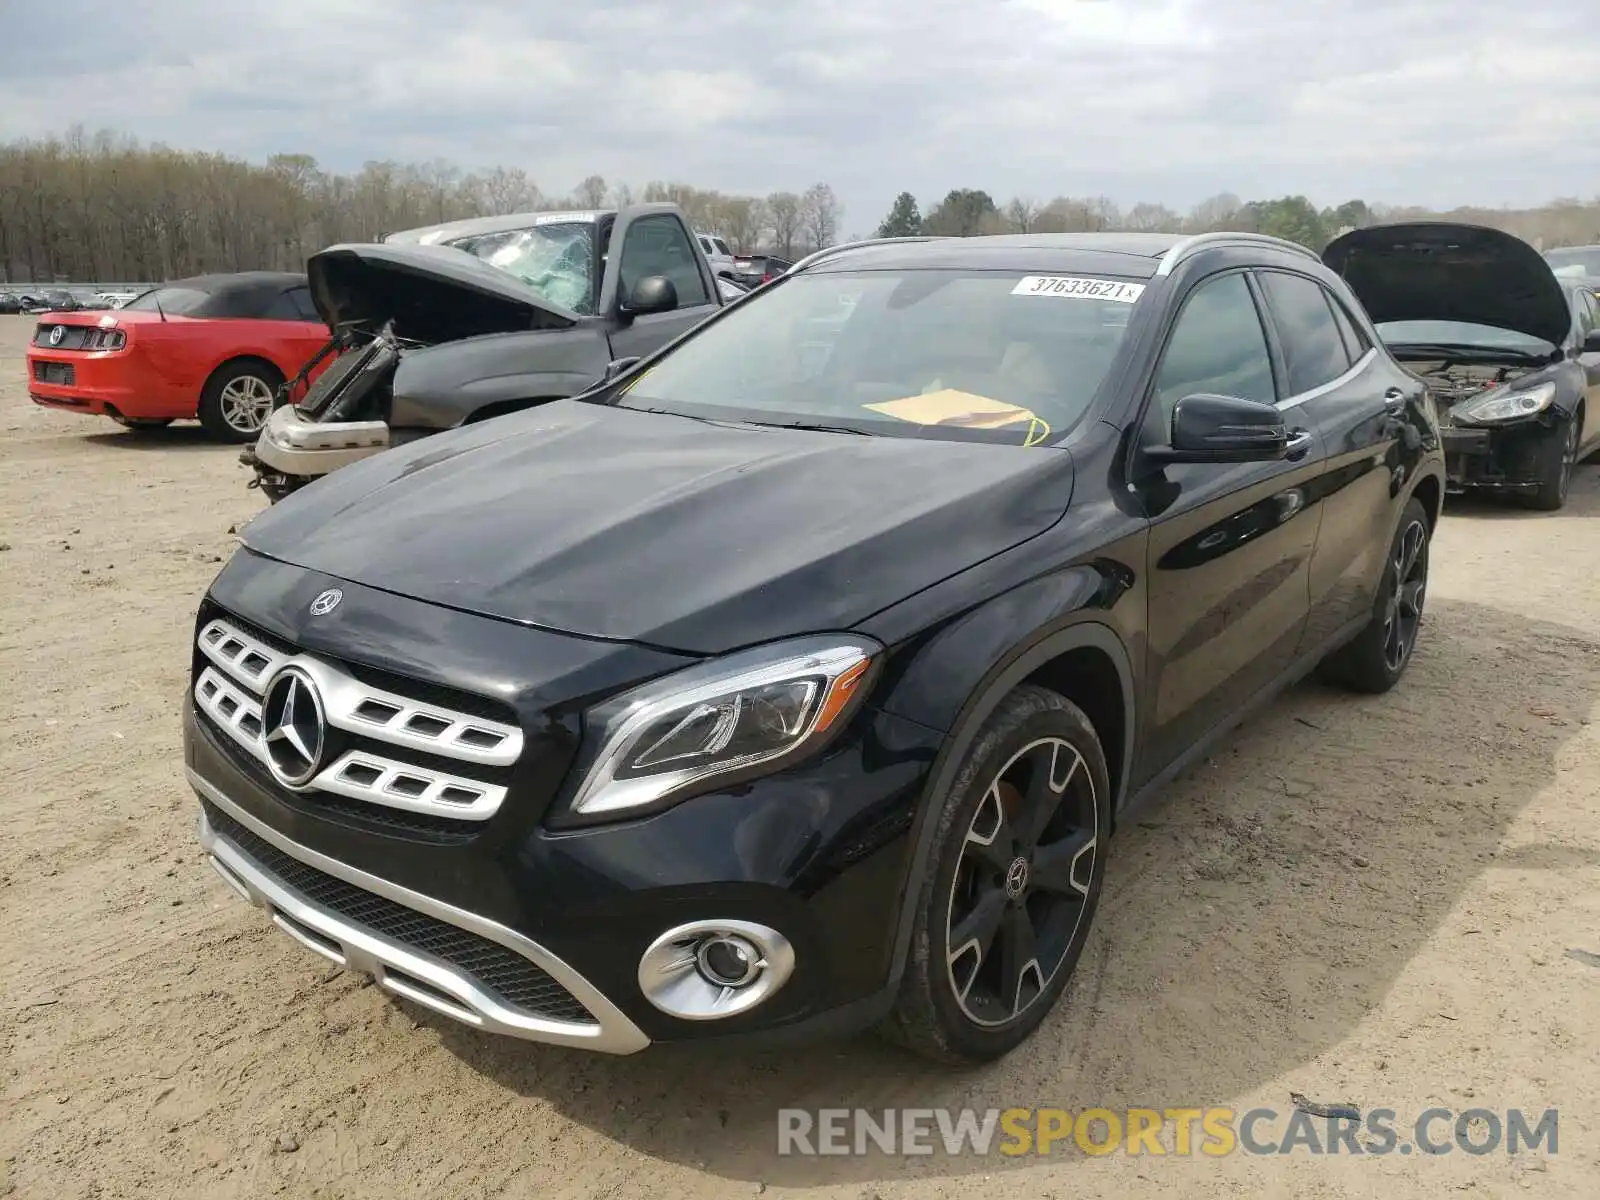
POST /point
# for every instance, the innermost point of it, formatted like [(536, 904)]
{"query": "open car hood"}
[(432, 293), (1437, 271)]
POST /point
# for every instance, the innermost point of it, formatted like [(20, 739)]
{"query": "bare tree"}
[(783, 210), (819, 215), (591, 193), (1021, 214), (103, 207)]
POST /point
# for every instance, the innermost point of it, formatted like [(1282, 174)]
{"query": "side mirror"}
[(1591, 344), (618, 366), (1225, 429), (652, 294)]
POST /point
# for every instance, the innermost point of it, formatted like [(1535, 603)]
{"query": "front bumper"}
[(819, 853), (367, 924), (1504, 458), (294, 444)]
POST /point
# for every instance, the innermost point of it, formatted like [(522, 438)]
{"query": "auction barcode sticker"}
[(1081, 289)]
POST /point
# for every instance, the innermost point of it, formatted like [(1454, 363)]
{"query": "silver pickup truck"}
[(436, 327)]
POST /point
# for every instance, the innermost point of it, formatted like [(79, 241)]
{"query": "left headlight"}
[(1508, 403), (719, 722)]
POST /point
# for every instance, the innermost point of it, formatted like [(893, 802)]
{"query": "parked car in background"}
[(10, 303), (753, 270), (1579, 264), (452, 324), (50, 300), (216, 347), (1510, 352), (778, 687), (717, 254)]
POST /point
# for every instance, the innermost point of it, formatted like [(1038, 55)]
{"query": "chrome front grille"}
[(231, 692)]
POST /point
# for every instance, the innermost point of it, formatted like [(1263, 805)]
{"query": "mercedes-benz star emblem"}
[(1017, 878), (326, 602), (291, 719), (56, 334)]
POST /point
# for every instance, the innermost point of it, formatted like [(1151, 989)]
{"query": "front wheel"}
[(1378, 656), (238, 399), (1017, 867), (1557, 454)]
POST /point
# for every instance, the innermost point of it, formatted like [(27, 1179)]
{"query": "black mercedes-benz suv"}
[(798, 677)]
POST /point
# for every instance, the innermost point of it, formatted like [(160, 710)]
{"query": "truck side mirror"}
[(652, 294)]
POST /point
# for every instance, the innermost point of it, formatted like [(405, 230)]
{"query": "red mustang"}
[(216, 347)]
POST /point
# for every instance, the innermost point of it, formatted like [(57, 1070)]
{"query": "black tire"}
[(1557, 455), (953, 1007), (142, 422), (232, 385), (1379, 654)]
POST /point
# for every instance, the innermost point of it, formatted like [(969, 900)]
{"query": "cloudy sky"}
[(1436, 102)]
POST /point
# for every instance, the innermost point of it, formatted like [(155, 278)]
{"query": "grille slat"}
[(498, 969), (237, 666)]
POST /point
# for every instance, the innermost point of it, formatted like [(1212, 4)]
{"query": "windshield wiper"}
[(815, 428)]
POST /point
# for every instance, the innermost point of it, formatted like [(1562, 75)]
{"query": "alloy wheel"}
[(1022, 882), (246, 403), (1403, 606)]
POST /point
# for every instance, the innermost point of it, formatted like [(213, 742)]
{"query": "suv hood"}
[(432, 293), (1437, 271), (680, 533)]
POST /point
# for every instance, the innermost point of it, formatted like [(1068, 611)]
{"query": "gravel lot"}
[(1363, 900)]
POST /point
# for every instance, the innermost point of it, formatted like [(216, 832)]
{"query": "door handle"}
[(1298, 445)]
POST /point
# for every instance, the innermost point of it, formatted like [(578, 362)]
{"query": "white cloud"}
[(1427, 101)]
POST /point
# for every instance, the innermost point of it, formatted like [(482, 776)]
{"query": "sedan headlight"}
[(1507, 403), (719, 722)]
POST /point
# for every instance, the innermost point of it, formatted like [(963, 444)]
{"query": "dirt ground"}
[(1358, 899)]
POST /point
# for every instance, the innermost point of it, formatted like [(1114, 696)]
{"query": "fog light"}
[(707, 970), (728, 961)]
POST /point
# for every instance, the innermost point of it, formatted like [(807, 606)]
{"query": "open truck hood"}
[(1437, 271), (432, 293)]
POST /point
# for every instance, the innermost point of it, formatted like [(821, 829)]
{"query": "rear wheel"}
[(1015, 876), (238, 399), (1378, 656), (1557, 454)]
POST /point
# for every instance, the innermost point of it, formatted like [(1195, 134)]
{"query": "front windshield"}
[(1459, 333), (1586, 258), (556, 260), (990, 355)]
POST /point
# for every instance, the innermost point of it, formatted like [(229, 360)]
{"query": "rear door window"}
[(1356, 342), (1313, 346)]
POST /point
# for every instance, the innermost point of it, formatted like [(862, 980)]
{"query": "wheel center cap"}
[(1017, 878)]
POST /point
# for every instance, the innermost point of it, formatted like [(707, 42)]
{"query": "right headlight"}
[(717, 723), (1507, 403)]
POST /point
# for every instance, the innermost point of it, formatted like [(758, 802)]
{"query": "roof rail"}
[(830, 251), (1200, 241)]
